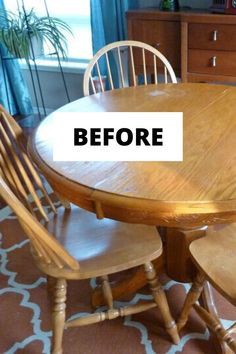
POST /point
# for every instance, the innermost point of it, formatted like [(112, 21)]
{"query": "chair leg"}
[(215, 325), (58, 315), (107, 292), (191, 298), (161, 301)]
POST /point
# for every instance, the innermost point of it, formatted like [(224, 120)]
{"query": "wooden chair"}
[(152, 61), (17, 167), (214, 255), (73, 244)]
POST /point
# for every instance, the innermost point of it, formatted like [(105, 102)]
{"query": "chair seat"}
[(103, 246), (215, 256)]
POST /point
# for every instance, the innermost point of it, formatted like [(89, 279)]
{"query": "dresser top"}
[(185, 15)]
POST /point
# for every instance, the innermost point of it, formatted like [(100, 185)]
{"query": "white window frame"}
[(50, 63)]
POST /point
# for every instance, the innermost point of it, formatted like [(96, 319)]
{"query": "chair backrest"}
[(15, 126), (44, 245), (17, 168), (151, 62)]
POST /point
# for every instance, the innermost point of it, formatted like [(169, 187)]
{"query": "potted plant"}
[(20, 32)]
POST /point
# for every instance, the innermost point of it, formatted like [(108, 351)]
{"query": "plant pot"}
[(169, 5), (36, 48)]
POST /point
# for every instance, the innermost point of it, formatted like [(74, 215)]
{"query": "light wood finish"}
[(17, 167), (161, 301), (97, 248), (220, 245), (130, 284), (187, 37), (101, 246), (150, 57), (207, 301), (185, 196), (59, 315), (192, 193), (17, 129), (215, 325), (73, 243), (106, 289), (214, 257), (192, 297)]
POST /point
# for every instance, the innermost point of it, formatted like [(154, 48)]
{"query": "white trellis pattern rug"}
[(25, 318)]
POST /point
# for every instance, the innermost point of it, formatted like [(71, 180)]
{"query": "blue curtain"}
[(108, 19), (108, 22), (13, 90)]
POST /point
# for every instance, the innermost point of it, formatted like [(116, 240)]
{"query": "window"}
[(76, 13)]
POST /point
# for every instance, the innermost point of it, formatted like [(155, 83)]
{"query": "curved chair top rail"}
[(94, 64)]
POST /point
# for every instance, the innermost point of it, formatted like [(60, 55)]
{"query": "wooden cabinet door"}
[(163, 35)]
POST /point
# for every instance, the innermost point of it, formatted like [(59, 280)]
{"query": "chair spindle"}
[(100, 77), (144, 67), (121, 68), (109, 72), (132, 66)]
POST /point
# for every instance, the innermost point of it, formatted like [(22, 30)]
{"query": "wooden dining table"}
[(181, 198)]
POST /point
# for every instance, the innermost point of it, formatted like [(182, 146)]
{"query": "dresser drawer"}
[(212, 36), (163, 35), (212, 62)]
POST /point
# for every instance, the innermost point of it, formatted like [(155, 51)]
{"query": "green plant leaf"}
[(17, 31)]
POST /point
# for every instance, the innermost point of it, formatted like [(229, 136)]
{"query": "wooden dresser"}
[(200, 46)]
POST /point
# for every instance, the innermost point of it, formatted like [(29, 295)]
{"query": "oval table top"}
[(200, 190)]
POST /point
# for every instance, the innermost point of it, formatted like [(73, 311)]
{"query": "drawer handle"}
[(213, 61), (215, 34), (156, 45)]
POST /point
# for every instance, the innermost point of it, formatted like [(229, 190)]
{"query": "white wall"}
[(53, 89)]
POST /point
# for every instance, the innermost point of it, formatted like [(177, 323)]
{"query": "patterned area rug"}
[(25, 319)]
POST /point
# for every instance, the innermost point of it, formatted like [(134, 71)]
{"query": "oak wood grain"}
[(70, 243), (220, 246), (214, 257), (198, 191)]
